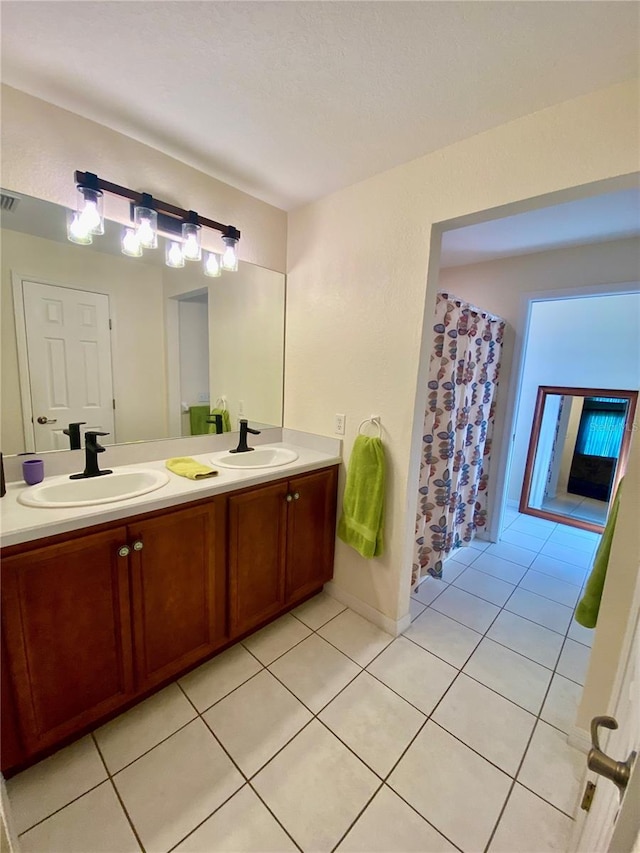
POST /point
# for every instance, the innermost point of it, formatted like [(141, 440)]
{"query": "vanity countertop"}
[(26, 524)]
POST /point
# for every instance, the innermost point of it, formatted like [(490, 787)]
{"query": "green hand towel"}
[(226, 420), (587, 610), (185, 466), (362, 521), (198, 420)]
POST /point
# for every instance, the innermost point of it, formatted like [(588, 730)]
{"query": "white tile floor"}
[(322, 732), (586, 509)]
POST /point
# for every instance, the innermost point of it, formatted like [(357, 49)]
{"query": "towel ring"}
[(223, 402), (375, 421)]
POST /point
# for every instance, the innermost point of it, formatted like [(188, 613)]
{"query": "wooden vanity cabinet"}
[(93, 621), (67, 635), (178, 590), (281, 541)]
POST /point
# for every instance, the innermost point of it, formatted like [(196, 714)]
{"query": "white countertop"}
[(21, 523)]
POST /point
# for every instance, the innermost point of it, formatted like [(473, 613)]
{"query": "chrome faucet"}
[(243, 447), (91, 450)]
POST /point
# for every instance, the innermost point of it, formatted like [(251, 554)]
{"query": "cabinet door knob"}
[(296, 496), (138, 545), (124, 551), (289, 498)]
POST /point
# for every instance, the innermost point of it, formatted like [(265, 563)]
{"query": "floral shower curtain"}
[(458, 426)]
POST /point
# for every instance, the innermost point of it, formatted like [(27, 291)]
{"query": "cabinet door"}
[(311, 532), (67, 630), (257, 530), (178, 583)]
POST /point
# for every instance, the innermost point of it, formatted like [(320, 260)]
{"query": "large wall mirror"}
[(577, 454), (154, 348)]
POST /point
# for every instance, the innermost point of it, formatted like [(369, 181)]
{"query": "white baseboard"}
[(579, 738), (395, 627)]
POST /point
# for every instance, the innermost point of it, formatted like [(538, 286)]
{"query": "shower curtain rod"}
[(486, 315)]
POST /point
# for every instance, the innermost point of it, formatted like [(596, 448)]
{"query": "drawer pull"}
[(124, 551), (296, 496), (289, 498), (138, 545)]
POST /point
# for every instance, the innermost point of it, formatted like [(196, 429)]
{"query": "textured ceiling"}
[(292, 100)]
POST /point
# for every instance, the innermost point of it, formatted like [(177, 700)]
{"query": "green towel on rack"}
[(587, 609), (362, 521), (198, 420), (226, 420)]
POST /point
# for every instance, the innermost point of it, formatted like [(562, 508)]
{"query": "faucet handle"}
[(91, 440)]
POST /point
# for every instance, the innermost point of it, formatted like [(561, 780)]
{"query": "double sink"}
[(61, 492)]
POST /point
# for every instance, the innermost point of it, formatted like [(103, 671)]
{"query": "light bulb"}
[(173, 255), (212, 265), (77, 231), (90, 210), (146, 221), (230, 256), (191, 248), (131, 243)]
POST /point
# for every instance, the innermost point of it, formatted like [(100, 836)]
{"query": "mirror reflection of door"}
[(577, 453), (68, 353)]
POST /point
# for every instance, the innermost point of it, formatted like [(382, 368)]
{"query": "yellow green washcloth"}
[(589, 606), (198, 420), (362, 521), (185, 466), (226, 420)]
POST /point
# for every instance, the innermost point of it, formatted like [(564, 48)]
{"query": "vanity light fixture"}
[(131, 244), (150, 216), (146, 222), (191, 246), (212, 266), (230, 255), (76, 230), (174, 256)]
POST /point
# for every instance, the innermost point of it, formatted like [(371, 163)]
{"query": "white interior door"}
[(613, 821), (69, 362)]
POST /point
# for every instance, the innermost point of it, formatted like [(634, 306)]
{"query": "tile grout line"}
[(117, 793), (240, 771)]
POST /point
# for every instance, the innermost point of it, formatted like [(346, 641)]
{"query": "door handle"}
[(617, 771), (43, 420)]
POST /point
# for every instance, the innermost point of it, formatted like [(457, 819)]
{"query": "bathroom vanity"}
[(97, 617)]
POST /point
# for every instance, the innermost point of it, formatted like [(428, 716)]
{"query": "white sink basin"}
[(118, 486), (261, 457)]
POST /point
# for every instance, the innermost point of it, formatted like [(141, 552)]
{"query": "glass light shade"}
[(230, 256), (90, 208), (77, 231), (131, 243), (146, 222), (173, 254), (191, 248), (212, 265)]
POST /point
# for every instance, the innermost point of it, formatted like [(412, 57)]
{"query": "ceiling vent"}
[(8, 203)]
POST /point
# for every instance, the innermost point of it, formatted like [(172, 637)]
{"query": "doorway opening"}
[(503, 611), (188, 353)]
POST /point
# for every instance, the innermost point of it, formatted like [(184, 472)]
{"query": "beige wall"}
[(357, 290), (569, 443), (43, 145), (137, 338)]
